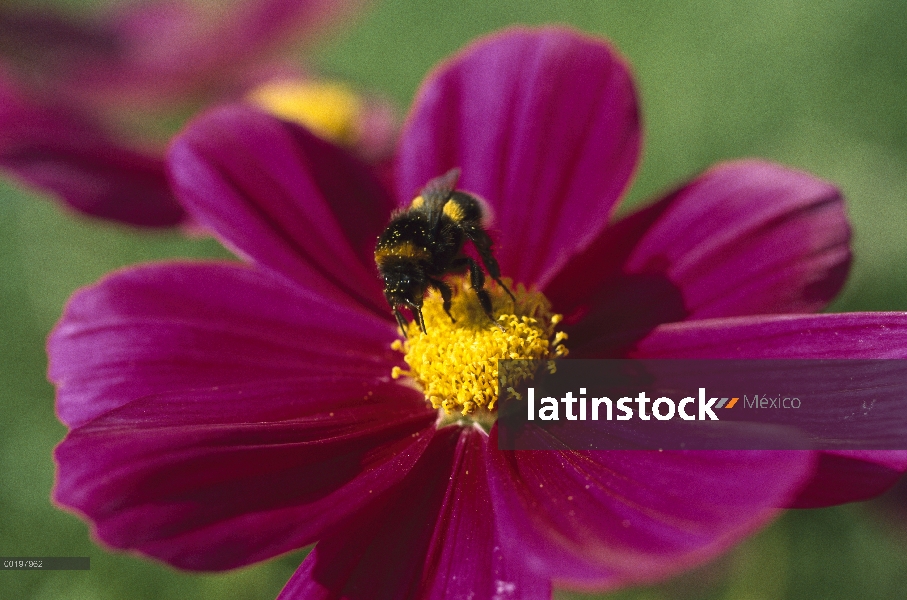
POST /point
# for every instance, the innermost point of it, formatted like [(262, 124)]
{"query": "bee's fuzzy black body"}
[(425, 242)]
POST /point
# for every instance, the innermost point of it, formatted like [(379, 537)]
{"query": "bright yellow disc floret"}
[(456, 364)]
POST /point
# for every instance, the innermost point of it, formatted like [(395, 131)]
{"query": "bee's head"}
[(404, 284)]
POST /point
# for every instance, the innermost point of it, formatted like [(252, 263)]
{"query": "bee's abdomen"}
[(406, 238), (403, 251)]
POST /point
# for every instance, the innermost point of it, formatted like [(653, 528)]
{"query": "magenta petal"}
[(612, 518), (744, 238), (845, 335), (379, 554), (69, 155), (750, 237), (173, 327), (284, 198), (434, 538), (544, 124), (229, 475), (466, 557)]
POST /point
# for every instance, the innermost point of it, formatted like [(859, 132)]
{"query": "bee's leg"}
[(446, 295), (400, 321), (482, 243), (417, 315), (477, 281)]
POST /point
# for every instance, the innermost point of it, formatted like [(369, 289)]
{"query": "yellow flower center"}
[(456, 363), (329, 109)]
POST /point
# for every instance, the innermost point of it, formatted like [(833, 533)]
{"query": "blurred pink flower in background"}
[(226, 413), (85, 104)]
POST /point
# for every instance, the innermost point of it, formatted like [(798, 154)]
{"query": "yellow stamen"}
[(456, 364), (330, 109)]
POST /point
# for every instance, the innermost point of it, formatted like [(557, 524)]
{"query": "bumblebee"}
[(425, 242)]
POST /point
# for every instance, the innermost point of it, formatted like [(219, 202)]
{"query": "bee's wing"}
[(437, 192)]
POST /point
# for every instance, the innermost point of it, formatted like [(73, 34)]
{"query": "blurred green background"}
[(818, 85)]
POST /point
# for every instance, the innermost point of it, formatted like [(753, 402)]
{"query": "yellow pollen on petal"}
[(456, 363), (329, 109)]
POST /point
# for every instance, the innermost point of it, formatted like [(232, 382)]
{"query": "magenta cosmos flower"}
[(225, 413), (81, 103)]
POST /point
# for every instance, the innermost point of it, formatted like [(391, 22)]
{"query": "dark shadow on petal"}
[(573, 289), (623, 312), (841, 479), (830, 285)]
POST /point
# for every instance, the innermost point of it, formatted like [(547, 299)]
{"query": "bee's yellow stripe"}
[(401, 250), (453, 210)]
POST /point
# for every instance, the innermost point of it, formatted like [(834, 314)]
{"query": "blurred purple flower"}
[(224, 413), (81, 102), (60, 149)]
